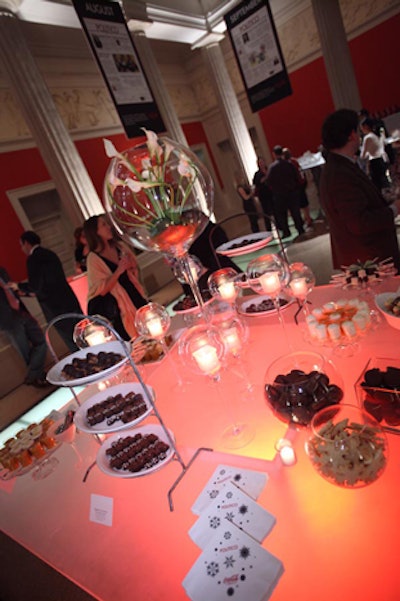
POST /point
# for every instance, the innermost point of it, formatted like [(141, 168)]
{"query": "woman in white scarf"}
[(112, 270)]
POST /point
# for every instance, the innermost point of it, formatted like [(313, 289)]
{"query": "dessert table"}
[(333, 542)]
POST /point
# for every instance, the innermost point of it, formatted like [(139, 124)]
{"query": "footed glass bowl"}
[(299, 384), (347, 446)]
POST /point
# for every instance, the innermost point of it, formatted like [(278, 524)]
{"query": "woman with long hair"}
[(115, 291)]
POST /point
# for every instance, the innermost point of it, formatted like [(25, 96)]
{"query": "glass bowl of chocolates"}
[(300, 384), (347, 446), (378, 390)]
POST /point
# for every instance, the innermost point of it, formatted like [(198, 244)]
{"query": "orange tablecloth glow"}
[(334, 543)]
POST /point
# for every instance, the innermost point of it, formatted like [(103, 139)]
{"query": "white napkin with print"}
[(235, 506), (250, 481), (233, 565)]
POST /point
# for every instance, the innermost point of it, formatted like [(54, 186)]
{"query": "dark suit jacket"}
[(47, 280), (361, 224)]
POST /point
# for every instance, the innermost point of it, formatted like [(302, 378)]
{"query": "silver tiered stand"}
[(126, 351)]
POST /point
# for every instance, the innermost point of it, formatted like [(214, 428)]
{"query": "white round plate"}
[(102, 427), (56, 377), (103, 461), (250, 300), (260, 239)]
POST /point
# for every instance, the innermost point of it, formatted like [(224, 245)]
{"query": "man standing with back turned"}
[(47, 279), (361, 222)]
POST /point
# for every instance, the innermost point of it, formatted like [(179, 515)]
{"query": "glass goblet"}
[(159, 197), (301, 283), (223, 284), (203, 351), (153, 320), (269, 275)]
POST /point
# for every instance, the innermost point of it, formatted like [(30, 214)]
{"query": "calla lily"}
[(152, 144), (110, 149), (136, 186), (185, 169)]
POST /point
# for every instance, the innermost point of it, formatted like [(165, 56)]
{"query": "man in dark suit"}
[(283, 180), (360, 220), (23, 331), (47, 280)]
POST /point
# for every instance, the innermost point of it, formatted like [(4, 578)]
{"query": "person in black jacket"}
[(23, 331), (47, 280)]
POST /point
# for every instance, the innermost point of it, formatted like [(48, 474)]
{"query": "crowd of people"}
[(281, 190), (360, 218)]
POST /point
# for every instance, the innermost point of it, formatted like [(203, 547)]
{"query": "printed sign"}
[(107, 33), (255, 42)]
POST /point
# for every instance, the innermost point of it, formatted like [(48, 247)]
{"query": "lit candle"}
[(299, 287), (95, 338), (227, 291), (286, 452), (207, 359), (155, 327), (270, 282), (232, 340)]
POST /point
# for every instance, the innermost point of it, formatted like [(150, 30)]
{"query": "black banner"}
[(256, 45), (105, 27)]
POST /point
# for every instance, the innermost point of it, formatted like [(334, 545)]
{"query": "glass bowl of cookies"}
[(378, 390), (347, 446), (299, 384)]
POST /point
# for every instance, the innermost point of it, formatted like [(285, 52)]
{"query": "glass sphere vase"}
[(158, 195)]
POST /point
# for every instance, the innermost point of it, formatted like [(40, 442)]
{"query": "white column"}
[(63, 162), (158, 88), (230, 108), (336, 53)]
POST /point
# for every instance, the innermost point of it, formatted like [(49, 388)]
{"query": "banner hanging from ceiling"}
[(106, 30), (256, 46)]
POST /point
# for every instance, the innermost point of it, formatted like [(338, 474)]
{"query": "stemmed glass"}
[(269, 275), (203, 351), (301, 283), (159, 197), (235, 334), (153, 320), (223, 285)]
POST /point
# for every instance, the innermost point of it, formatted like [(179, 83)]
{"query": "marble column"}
[(336, 53), (52, 138), (230, 108), (158, 88)]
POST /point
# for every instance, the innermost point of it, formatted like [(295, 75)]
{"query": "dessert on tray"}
[(342, 320)]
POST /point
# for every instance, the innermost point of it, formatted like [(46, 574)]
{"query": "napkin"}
[(233, 565), (250, 481), (232, 505)]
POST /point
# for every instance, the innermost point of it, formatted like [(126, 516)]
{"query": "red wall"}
[(375, 60), (296, 121)]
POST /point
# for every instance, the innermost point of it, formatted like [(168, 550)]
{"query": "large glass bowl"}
[(158, 194), (347, 446), (299, 384)]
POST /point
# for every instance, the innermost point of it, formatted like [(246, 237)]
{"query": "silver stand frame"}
[(98, 320)]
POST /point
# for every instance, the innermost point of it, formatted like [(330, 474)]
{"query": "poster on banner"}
[(256, 46), (105, 27)]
